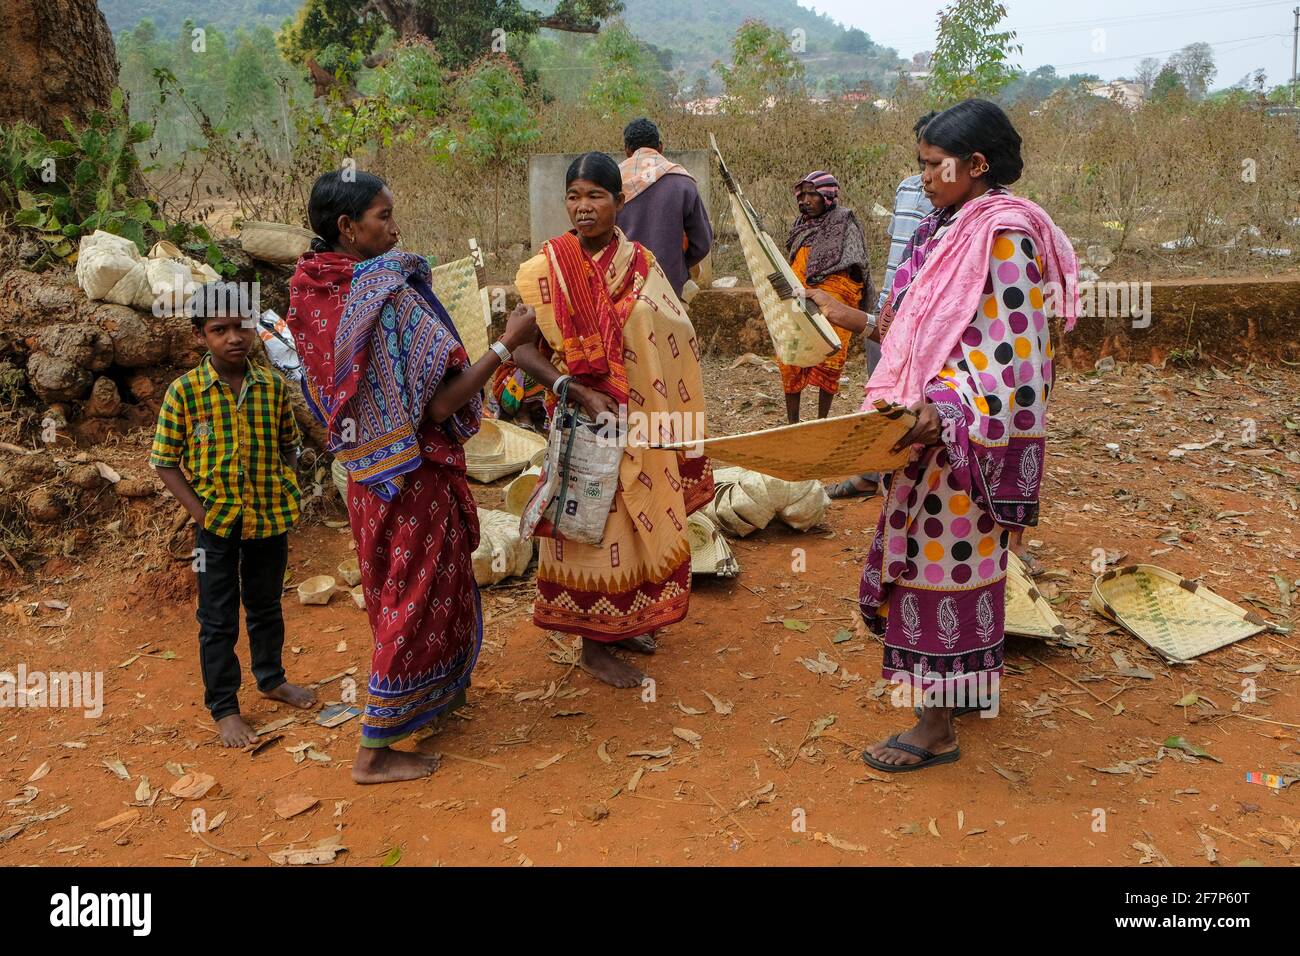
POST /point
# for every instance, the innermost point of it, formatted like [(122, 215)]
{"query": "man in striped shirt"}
[(230, 425), (910, 207)]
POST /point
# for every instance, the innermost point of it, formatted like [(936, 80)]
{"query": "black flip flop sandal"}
[(847, 489), (928, 759)]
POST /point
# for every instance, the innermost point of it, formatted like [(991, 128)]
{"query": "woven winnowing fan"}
[(1028, 613), (456, 284), (801, 336), (1175, 616), (823, 448)]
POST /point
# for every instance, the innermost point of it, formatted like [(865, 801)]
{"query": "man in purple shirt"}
[(662, 207)]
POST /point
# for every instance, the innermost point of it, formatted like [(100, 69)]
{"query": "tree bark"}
[(59, 60)]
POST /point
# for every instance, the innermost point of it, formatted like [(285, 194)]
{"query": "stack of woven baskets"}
[(746, 501)]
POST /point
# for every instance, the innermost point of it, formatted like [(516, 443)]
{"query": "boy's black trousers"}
[(229, 569)]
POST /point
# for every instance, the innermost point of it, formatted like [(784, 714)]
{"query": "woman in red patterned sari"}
[(387, 375)]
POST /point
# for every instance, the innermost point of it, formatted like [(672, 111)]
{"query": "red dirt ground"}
[(1027, 790)]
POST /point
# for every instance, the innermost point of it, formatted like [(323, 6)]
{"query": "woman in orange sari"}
[(611, 323), (827, 251)]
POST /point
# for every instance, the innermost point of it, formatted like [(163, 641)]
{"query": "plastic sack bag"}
[(579, 480)]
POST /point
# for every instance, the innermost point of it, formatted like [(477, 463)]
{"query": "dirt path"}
[(549, 780)]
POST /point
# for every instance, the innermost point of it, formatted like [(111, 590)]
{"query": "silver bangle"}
[(502, 352), (555, 386)]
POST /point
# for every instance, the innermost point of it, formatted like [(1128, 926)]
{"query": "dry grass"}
[(1127, 181), (1159, 174)]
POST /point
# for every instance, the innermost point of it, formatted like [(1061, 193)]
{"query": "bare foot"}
[(235, 731), (933, 732), (597, 661), (293, 695), (643, 644), (386, 765)]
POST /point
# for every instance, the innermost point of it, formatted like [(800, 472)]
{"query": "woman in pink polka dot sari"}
[(968, 347)]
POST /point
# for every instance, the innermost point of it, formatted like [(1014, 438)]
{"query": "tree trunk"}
[(58, 59)]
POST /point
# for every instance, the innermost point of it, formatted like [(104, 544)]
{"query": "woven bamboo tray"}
[(1028, 613), (825, 448), (1178, 617), (456, 286), (710, 552), (500, 449), (801, 336)]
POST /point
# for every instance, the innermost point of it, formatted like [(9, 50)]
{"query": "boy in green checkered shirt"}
[(230, 426)]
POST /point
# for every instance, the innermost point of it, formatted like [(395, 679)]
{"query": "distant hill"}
[(696, 32), (699, 32)]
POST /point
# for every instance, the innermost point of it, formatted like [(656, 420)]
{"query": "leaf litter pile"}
[(746, 747)]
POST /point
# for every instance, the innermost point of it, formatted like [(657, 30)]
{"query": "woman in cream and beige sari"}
[(610, 321)]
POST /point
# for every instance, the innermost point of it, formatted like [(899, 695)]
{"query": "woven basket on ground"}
[(1180, 618)]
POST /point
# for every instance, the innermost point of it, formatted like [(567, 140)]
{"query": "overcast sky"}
[(1106, 37)]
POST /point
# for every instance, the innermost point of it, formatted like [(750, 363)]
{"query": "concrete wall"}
[(546, 214)]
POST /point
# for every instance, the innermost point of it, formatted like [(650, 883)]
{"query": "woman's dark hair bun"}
[(978, 126), (337, 194)]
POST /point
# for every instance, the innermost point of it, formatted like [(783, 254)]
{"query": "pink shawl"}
[(946, 291)]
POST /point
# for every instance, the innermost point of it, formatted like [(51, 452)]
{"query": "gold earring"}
[(983, 168)]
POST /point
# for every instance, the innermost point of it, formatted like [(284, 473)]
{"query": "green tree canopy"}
[(460, 30), (972, 57), (763, 66), (1168, 86), (626, 74)]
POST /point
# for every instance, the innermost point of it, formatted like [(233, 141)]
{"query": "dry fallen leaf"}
[(690, 736), (28, 794), (651, 754), (1008, 774), (1211, 851), (143, 792), (39, 772), (837, 843), (689, 711), (601, 752), (542, 765), (722, 707), (276, 724), (323, 852), (193, 786), (216, 821), (118, 768), (636, 778), (293, 805)]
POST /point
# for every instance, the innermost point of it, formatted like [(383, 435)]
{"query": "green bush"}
[(58, 190)]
